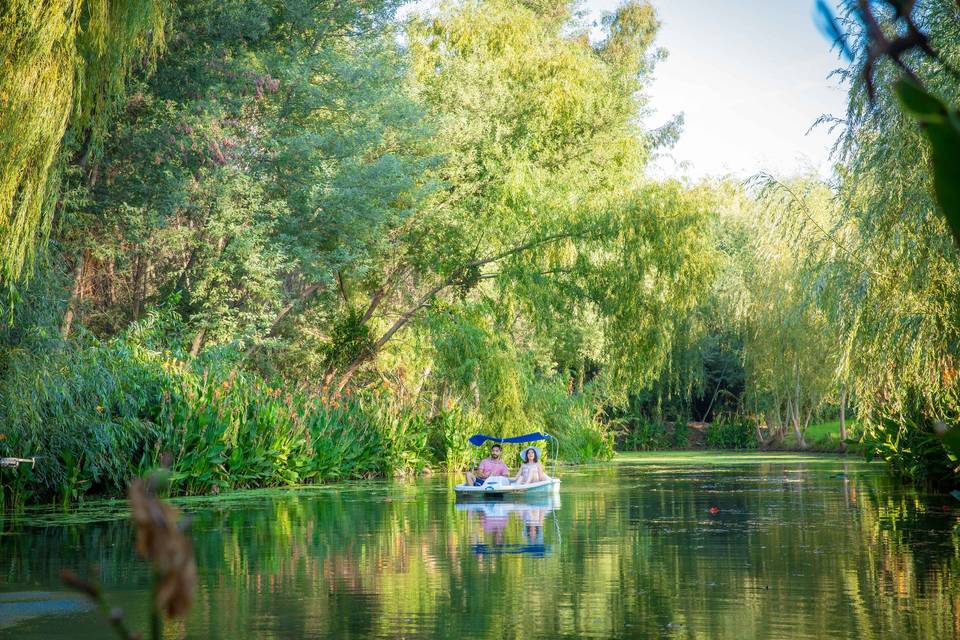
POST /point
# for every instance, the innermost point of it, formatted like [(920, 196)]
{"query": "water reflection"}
[(822, 548), (529, 514)]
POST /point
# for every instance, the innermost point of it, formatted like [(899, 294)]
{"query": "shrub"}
[(571, 418), (731, 432), (643, 434)]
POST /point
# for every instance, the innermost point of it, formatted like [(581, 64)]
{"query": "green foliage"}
[(572, 418), (63, 66), (889, 288), (349, 339), (300, 248), (449, 435), (480, 364), (941, 126), (731, 432), (643, 434), (96, 415), (915, 443)]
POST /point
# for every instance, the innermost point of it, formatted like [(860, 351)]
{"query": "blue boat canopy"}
[(479, 439)]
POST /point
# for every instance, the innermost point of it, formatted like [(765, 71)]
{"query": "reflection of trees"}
[(790, 553)]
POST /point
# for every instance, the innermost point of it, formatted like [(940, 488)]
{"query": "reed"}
[(99, 414)]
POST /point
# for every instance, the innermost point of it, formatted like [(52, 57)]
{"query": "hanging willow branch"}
[(890, 30), (63, 65)]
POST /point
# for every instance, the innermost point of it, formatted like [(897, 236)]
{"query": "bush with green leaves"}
[(731, 432), (643, 434)]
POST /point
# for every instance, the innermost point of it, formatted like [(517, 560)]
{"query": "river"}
[(707, 545)]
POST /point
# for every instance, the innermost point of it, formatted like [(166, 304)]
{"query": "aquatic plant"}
[(96, 415)]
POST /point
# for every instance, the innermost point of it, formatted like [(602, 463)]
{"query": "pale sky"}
[(750, 77)]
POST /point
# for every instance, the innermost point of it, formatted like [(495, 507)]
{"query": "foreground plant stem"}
[(94, 591)]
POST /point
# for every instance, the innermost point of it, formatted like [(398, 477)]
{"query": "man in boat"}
[(492, 465)]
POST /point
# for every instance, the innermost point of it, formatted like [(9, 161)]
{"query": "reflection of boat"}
[(546, 502), (536, 550), (495, 516), (501, 486)]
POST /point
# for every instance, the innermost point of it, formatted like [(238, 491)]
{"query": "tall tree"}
[(266, 152), (63, 66), (540, 191), (897, 282)]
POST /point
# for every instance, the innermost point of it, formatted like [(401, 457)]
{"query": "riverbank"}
[(736, 434), (97, 415), (701, 458)]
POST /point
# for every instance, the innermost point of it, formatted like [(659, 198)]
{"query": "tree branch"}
[(426, 298)]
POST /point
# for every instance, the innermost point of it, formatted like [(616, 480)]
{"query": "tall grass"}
[(97, 414)]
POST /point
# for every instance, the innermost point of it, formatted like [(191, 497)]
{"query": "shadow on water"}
[(649, 546)]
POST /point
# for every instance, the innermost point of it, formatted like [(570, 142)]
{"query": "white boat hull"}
[(499, 486)]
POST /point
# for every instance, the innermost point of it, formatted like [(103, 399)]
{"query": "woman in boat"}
[(531, 470)]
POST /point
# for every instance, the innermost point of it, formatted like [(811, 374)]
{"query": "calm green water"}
[(800, 548)]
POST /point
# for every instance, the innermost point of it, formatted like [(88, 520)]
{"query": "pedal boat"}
[(501, 486)]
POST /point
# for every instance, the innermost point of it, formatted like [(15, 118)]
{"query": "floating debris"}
[(16, 462)]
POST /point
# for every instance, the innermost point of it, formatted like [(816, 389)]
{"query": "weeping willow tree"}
[(540, 198), (790, 347), (63, 64), (892, 292)]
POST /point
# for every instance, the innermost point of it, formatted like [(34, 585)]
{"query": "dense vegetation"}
[(301, 241)]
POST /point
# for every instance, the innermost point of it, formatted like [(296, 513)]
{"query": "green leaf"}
[(918, 103), (951, 441), (941, 125)]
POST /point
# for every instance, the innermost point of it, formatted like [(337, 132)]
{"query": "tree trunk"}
[(197, 342), (350, 371), (140, 285), (790, 421), (801, 430), (328, 377), (371, 353), (712, 400), (76, 293), (843, 418), (801, 442), (795, 420), (774, 427), (407, 315)]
